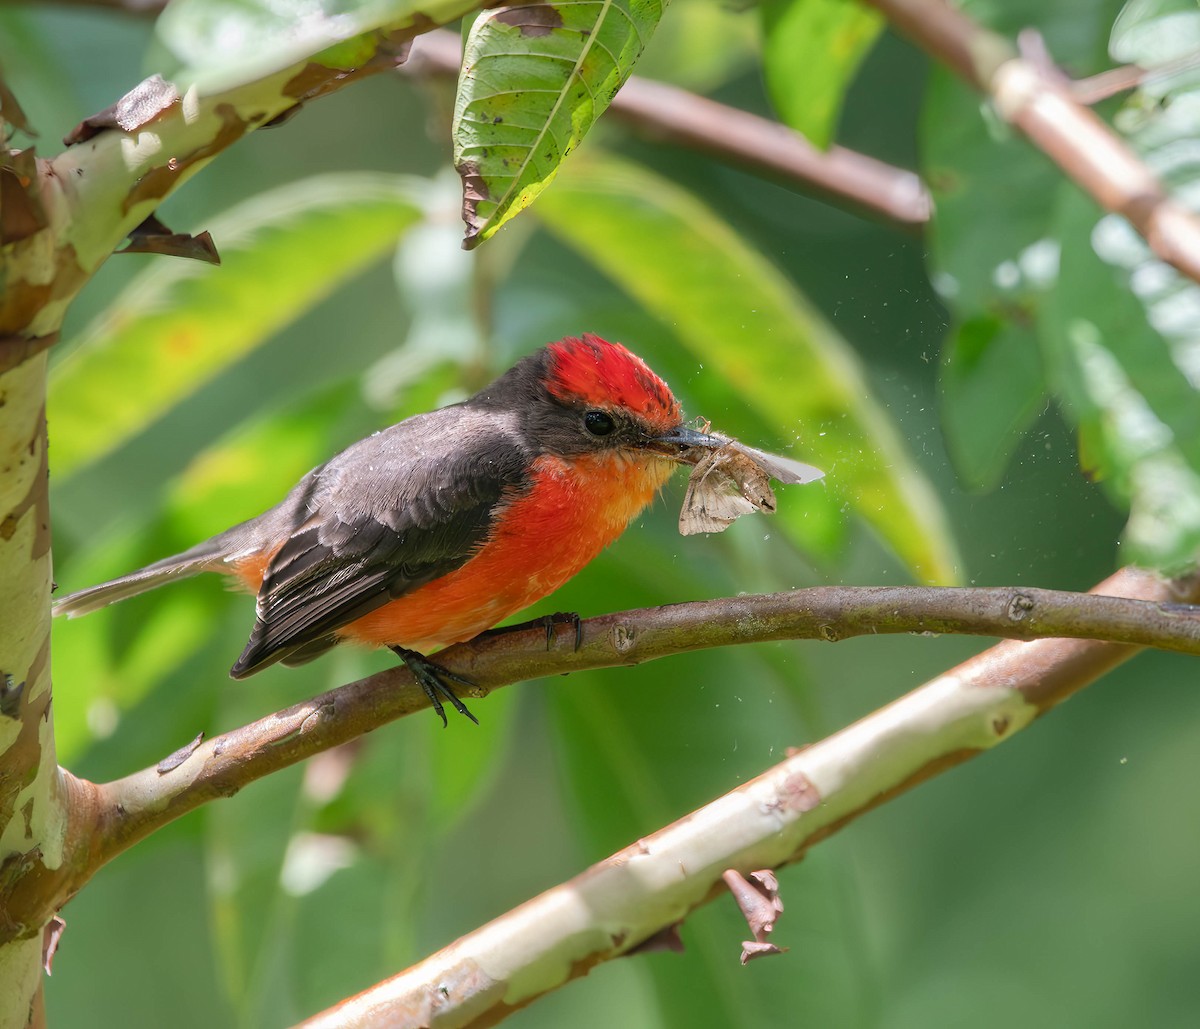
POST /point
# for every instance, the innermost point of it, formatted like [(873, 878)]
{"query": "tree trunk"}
[(31, 810)]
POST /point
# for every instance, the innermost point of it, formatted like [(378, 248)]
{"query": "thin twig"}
[(1038, 100), (114, 816), (673, 115), (652, 885), (1130, 76)]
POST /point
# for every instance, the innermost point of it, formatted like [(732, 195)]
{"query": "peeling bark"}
[(32, 814)]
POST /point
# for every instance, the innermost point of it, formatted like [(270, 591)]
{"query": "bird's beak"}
[(685, 445)]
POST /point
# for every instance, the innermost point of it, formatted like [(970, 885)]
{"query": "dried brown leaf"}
[(51, 935), (760, 903), (153, 237), (752, 949)]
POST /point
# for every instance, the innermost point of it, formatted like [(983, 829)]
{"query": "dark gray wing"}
[(386, 516)]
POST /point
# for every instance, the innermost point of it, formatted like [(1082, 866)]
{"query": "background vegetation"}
[(1051, 882)]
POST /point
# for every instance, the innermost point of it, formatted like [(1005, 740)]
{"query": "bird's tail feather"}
[(203, 557)]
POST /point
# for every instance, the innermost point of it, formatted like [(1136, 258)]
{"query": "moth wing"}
[(749, 478), (716, 497), (787, 470)]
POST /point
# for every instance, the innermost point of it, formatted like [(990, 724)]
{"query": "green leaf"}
[(992, 258), (994, 197), (179, 323), (750, 326), (35, 72), (252, 467), (1133, 394), (219, 44), (993, 254), (1151, 32), (534, 80), (252, 915), (811, 51), (992, 389), (709, 42)]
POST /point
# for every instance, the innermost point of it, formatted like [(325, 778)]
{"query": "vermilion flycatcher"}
[(431, 531)]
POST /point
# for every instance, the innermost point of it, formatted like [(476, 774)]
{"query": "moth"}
[(735, 480)]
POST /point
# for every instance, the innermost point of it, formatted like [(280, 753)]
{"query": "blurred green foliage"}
[(811, 52), (1049, 883)]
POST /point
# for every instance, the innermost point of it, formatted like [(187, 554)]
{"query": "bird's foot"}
[(435, 680), (549, 623)]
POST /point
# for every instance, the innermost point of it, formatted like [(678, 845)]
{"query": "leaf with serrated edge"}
[(179, 323), (534, 80), (739, 314)]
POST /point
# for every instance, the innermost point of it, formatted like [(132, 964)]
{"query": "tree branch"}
[(114, 816), (1038, 99), (672, 115), (649, 887)]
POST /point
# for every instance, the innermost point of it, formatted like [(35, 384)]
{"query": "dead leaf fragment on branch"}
[(51, 935), (153, 237), (759, 901), (21, 212)]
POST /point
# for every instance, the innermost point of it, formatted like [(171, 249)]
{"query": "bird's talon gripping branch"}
[(573, 618), (431, 677), (549, 623)]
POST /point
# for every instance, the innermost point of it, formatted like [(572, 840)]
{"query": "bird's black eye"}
[(598, 423)]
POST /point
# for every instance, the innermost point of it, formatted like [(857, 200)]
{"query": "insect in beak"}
[(729, 479)]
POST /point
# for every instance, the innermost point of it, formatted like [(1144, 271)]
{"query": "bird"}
[(435, 529)]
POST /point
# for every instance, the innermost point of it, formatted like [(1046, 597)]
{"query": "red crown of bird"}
[(608, 375)]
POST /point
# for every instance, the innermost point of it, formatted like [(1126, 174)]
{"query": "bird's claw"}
[(549, 623), (563, 618), (432, 678)]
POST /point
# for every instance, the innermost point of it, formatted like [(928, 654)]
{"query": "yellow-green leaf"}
[(180, 322), (811, 51)]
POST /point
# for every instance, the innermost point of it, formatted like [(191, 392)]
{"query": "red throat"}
[(594, 371)]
